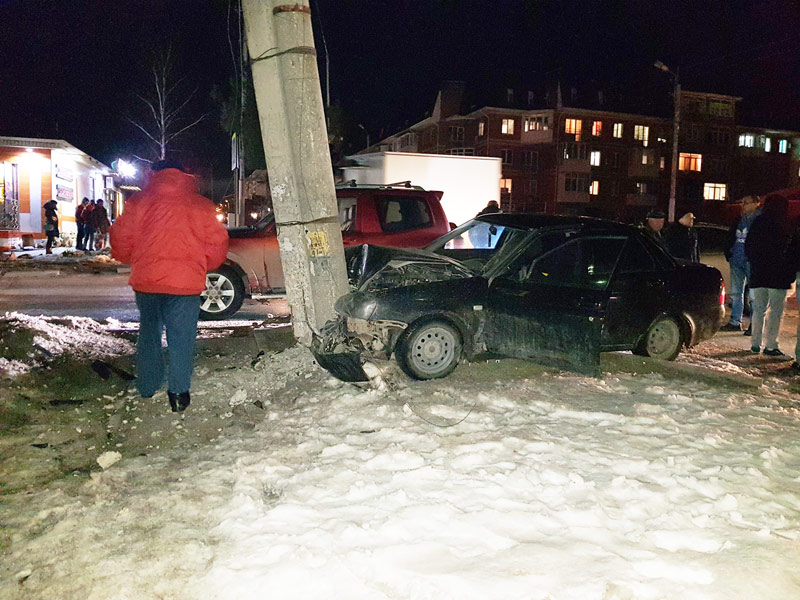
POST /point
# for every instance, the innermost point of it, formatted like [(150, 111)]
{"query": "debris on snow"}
[(106, 459)]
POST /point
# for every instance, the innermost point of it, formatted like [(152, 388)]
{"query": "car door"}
[(638, 293), (552, 309)]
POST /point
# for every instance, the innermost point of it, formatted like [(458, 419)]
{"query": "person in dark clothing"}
[(740, 268), (100, 223), (88, 237), (773, 265), (81, 223), (654, 225), (50, 224), (491, 208), (681, 239)]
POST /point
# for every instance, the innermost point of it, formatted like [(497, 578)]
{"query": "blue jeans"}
[(740, 276), (767, 313), (88, 238), (178, 314)]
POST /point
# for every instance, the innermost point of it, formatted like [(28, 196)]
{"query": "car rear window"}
[(402, 213)]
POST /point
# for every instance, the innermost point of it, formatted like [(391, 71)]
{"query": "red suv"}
[(397, 215)]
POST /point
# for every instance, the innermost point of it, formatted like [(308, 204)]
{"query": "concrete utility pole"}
[(289, 101)]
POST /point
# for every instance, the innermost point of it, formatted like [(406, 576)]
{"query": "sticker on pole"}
[(318, 244)]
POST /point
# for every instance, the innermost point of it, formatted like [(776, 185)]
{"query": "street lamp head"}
[(661, 66)]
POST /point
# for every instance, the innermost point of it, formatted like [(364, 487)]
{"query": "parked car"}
[(400, 215), (551, 288)]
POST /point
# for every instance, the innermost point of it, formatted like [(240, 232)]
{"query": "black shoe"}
[(178, 402), (749, 331), (774, 352), (755, 349), (731, 327)]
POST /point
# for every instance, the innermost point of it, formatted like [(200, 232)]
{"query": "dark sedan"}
[(553, 289)]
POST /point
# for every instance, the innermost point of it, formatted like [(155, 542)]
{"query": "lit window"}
[(597, 128), (594, 189), (573, 126), (720, 109), (767, 145), (641, 188), (505, 186), (644, 158), (481, 128), (617, 130), (747, 140), (642, 133), (594, 158), (527, 125), (715, 191), (507, 127), (783, 146), (690, 162), (662, 163)]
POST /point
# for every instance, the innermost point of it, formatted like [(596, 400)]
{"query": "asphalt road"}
[(99, 296)]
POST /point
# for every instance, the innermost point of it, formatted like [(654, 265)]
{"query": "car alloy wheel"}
[(223, 296), (429, 350), (664, 339)]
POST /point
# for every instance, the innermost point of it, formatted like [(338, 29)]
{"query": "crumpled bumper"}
[(338, 352)]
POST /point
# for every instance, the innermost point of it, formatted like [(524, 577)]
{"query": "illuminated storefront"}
[(32, 171)]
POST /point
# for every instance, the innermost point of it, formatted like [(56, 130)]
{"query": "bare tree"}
[(165, 105)]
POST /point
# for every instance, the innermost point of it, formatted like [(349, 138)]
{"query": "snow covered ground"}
[(503, 481)]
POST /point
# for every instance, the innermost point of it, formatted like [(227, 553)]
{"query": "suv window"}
[(347, 212), (581, 263), (402, 213)]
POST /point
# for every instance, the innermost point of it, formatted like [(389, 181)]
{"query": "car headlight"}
[(357, 305)]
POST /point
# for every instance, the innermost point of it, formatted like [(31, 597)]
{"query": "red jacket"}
[(170, 236)]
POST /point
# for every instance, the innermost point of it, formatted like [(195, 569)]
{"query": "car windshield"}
[(480, 245)]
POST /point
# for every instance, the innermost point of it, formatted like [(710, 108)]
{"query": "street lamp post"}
[(676, 127)]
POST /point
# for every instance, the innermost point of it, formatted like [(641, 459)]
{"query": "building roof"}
[(50, 144)]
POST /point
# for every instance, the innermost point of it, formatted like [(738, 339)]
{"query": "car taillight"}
[(722, 294)]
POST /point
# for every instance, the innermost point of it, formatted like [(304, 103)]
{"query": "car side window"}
[(635, 258), (347, 213), (581, 263), (402, 213)]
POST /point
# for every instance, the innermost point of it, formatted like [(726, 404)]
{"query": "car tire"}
[(223, 296), (429, 350), (663, 340)]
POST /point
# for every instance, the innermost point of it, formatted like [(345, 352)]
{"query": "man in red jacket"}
[(170, 236)]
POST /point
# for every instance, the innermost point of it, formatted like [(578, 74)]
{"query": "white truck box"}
[(468, 182)]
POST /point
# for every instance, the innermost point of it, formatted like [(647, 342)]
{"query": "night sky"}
[(72, 69)]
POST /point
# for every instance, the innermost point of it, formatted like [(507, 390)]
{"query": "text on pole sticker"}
[(318, 244)]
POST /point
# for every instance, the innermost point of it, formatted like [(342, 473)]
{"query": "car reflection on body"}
[(553, 289)]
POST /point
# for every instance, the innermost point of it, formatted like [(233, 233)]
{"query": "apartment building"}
[(570, 160)]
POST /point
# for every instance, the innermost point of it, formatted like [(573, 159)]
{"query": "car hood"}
[(369, 265)]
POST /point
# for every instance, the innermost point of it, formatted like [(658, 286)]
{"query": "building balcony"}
[(573, 197), (541, 136), (641, 199), (640, 171), (576, 165)]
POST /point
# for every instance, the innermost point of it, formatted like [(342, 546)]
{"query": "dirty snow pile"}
[(556, 487), (27, 341)]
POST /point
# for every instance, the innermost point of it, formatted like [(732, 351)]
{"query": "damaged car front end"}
[(392, 289)]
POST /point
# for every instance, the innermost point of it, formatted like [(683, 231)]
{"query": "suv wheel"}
[(224, 294)]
